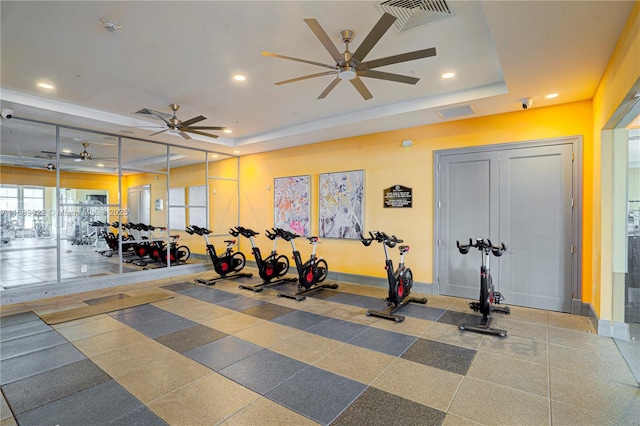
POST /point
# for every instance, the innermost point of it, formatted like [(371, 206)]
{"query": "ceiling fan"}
[(350, 66), (179, 126), (84, 155)]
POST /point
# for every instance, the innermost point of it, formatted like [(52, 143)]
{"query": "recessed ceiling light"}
[(100, 165), (239, 77), (448, 75), (551, 95), (227, 130), (214, 155), (236, 152), (46, 86), (66, 151)]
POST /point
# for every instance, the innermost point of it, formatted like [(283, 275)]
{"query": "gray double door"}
[(522, 196)]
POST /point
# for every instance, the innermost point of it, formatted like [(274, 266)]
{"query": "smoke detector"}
[(109, 25)]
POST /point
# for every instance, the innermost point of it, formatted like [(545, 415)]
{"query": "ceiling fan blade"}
[(158, 132), (184, 135), (160, 115), (194, 120), (403, 57), (197, 132), (147, 111), (162, 118), (361, 88), (324, 39), (61, 155), (305, 77), (388, 76), (186, 129), (276, 55), (374, 36), (329, 88)]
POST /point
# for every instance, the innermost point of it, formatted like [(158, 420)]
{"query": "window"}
[(22, 204), (33, 206), (9, 198)]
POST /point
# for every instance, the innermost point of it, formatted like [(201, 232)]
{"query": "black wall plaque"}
[(398, 196)]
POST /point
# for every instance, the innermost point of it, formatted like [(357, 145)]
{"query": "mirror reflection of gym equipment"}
[(51, 235)]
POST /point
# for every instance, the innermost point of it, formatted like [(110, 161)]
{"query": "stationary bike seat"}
[(403, 249)]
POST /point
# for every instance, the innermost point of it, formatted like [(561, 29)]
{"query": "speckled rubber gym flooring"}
[(222, 355)]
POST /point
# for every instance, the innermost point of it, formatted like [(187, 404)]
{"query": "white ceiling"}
[(187, 52)]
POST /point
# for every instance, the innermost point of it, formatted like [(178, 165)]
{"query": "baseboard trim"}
[(577, 307), (418, 287), (620, 331), (588, 311)]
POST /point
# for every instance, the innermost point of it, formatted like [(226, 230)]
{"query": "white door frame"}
[(576, 231)]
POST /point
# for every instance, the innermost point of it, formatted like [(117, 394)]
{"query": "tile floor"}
[(221, 355)]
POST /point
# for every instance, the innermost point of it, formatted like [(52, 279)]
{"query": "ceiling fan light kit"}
[(347, 73), (351, 66)]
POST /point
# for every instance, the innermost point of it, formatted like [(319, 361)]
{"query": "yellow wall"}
[(158, 185), (386, 164), (621, 74), (24, 176)]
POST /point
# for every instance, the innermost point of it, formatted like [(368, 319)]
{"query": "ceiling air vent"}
[(455, 112), (414, 13)]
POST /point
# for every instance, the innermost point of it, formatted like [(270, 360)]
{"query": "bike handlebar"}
[(246, 232), (483, 245), (380, 237), (273, 234), (285, 235), (195, 229)]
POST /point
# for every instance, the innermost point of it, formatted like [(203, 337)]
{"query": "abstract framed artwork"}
[(341, 204), (292, 204)]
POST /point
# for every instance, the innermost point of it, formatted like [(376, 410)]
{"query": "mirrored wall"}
[(78, 204)]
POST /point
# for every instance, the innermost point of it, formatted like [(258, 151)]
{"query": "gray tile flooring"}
[(70, 409), (376, 406), (317, 394), (190, 338), (440, 355), (212, 355), (223, 352), (263, 371)]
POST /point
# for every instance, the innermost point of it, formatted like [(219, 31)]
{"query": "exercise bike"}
[(271, 269), (400, 281), (485, 304), (310, 273), (229, 264)]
